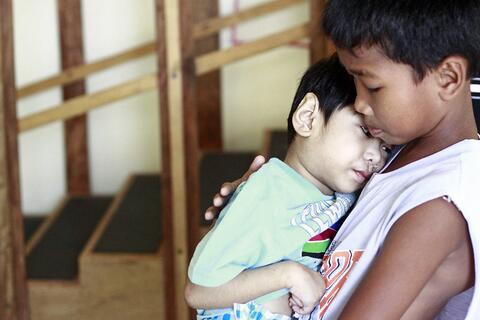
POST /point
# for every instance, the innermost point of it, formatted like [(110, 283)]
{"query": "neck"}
[(294, 160)]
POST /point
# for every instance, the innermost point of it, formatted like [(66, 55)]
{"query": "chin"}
[(349, 188)]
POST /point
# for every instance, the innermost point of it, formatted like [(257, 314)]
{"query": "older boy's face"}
[(395, 107)]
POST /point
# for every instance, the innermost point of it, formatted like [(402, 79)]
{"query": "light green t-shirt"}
[(270, 218)]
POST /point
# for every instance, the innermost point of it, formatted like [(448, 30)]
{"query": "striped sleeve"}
[(475, 88)]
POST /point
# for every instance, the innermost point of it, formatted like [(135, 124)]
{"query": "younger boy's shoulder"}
[(252, 195)]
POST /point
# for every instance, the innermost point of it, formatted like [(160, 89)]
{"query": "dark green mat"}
[(55, 257), (217, 168), (137, 225), (30, 225)]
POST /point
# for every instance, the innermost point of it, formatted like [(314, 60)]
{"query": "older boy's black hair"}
[(332, 85), (420, 33)]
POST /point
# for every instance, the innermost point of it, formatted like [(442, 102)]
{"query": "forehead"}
[(363, 61), (345, 116), (371, 63)]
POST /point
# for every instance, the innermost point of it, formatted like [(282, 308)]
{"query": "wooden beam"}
[(191, 123), (203, 29), (80, 72), (214, 25), (208, 85), (166, 172), (318, 41), (183, 152), (83, 104), (320, 45), (76, 147), (173, 154), (215, 60), (13, 286)]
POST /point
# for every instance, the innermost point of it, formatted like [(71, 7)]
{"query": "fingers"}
[(226, 189), (296, 304), (211, 213), (257, 162), (219, 201), (296, 301), (296, 309)]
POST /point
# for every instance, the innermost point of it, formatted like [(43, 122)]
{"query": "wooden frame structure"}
[(13, 288), (179, 65), (181, 98)]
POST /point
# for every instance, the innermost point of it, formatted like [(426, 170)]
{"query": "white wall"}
[(124, 136), (257, 92)]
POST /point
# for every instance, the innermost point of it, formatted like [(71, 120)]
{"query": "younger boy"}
[(412, 240), (288, 210)]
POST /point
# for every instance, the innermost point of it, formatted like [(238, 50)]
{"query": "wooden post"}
[(191, 120), (208, 85), (318, 41), (166, 172), (71, 40), (174, 174), (13, 286)]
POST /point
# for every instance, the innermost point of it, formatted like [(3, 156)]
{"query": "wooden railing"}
[(200, 30), (203, 64)]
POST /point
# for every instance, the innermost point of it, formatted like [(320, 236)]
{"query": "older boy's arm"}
[(254, 283), (415, 248)]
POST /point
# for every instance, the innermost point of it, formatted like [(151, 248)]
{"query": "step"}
[(133, 223), (217, 168), (52, 252), (30, 225), (123, 263), (119, 283)]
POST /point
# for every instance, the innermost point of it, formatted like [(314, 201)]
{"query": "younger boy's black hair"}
[(420, 33), (332, 85)]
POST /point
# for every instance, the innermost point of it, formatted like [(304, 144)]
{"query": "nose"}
[(373, 155), (361, 104)]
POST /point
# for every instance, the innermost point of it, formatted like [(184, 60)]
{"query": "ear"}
[(451, 76), (305, 115)]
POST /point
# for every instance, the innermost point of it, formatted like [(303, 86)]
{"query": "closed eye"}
[(366, 131), (373, 90)]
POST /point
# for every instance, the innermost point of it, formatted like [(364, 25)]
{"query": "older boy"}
[(412, 241), (289, 210)]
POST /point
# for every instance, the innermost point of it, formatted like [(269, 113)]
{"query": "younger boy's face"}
[(343, 155), (396, 108)]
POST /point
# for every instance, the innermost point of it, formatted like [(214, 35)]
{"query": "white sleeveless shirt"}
[(453, 172)]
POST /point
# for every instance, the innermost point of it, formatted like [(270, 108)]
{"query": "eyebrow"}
[(359, 72)]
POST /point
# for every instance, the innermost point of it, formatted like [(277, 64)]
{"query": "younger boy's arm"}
[(428, 248), (306, 285)]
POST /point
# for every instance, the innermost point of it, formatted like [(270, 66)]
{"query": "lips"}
[(362, 176), (375, 132)]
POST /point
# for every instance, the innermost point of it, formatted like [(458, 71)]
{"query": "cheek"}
[(348, 153), (390, 113)]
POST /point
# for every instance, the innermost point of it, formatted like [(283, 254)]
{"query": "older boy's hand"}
[(228, 188), (306, 288)]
